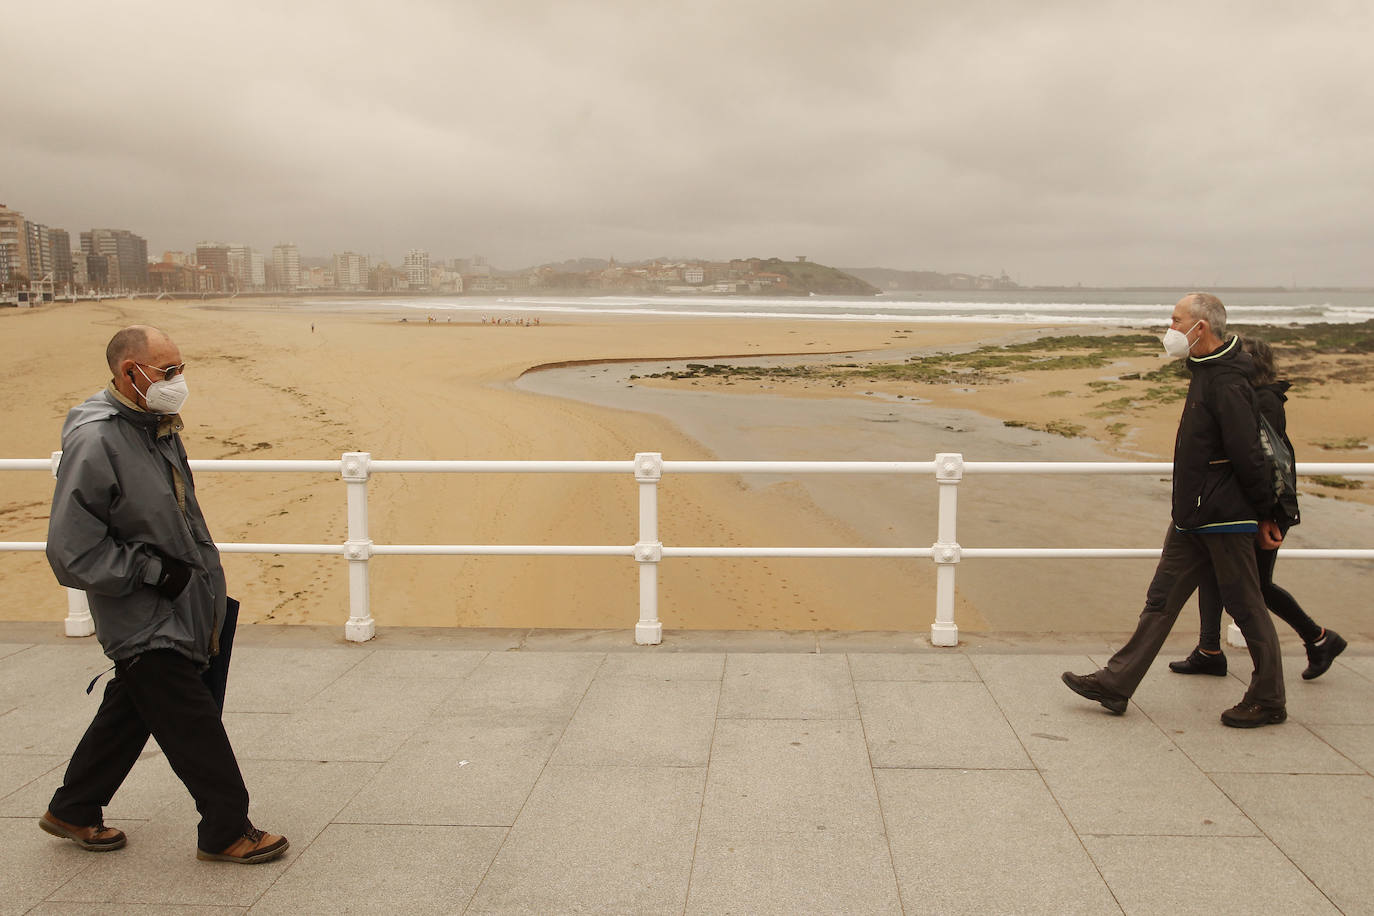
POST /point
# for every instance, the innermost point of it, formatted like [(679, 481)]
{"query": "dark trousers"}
[(1186, 562), (159, 693), (1284, 605)]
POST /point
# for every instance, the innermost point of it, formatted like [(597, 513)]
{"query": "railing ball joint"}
[(947, 553), (648, 467)]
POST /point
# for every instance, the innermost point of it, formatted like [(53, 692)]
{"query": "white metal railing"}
[(648, 468)]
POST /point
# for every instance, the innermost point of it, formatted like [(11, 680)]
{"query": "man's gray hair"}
[(1208, 308), (129, 343)]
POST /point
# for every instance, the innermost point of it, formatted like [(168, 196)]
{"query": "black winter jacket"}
[(1219, 469), (1270, 400)]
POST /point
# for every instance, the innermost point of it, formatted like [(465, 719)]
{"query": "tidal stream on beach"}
[(995, 510)]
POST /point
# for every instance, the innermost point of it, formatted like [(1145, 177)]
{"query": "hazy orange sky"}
[(1095, 142)]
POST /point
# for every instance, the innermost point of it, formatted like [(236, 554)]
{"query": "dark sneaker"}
[(1199, 662), (96, 838), (1246, 714), (253, 847), (1321, 655), (1086, 685)]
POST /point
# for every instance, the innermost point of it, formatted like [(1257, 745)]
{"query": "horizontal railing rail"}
[(648, 469)]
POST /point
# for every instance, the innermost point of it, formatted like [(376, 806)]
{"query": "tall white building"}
[(350, 270), (417, 268), (286, 266)]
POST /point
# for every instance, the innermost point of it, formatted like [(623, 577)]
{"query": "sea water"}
[(1113, 308)]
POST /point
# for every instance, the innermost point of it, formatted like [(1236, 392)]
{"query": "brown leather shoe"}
[(96, 838), (253, 847)]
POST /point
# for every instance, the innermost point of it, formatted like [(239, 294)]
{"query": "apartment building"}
[(127, 251), (14, 246), (350, 271), (417, 268), (286, 267)]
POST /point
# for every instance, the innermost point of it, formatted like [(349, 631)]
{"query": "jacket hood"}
[(107, 404), (1279, 389)]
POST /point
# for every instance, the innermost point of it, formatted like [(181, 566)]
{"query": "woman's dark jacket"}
[(1220, 481)]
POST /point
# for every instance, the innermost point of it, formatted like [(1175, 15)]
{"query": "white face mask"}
[(1176, 342), (165, 395)]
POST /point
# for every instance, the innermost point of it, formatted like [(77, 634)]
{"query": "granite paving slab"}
[(474, 770), (1322, 823), (912, 666), (524, 684), (598, 839), (1197, 876), (919, 724), (642, 721), (974, 841), (787, 687), (280, 680), (374, 868), (796, 872), (1112, 774), (790, 775)]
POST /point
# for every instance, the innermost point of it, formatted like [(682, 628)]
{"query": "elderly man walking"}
[(127, 529), (1222, 502)]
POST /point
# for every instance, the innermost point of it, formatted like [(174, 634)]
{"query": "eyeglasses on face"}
[(167, 372)]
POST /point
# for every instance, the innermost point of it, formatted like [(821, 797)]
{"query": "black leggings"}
[(1284, 605)]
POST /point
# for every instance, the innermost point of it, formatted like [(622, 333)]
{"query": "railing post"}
[(78, 622), (949, 470), (649, 549), (358, 548)]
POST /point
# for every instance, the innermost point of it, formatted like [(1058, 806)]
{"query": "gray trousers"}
[(1186, 561)]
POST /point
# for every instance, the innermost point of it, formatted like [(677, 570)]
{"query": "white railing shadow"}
[(648, 469)]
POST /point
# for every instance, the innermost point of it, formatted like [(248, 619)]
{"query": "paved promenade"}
[(549, 772)]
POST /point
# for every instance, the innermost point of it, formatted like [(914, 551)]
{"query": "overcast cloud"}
[(1097, 142)]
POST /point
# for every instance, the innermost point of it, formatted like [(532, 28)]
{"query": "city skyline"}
[(1108, 144)]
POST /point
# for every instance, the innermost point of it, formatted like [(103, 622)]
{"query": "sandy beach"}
[(270, 380)]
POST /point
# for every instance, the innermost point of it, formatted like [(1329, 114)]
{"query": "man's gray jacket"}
[(125, 497)]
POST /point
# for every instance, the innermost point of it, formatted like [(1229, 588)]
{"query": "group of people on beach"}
[(519, 321), (126, 528)]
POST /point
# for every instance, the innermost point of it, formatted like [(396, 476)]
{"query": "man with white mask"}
[(126, 528), (1222, 502)]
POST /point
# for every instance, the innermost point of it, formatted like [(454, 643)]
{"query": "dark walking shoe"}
[(96, 838), (1321, 654), (1246, 714), (1199, 662), (253, 847), (1086, 685)]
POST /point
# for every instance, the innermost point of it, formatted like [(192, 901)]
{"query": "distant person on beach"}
[(1322, 645), (1222, 502), (126, 527)]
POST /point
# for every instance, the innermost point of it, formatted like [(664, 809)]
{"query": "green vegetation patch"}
[(1056, 427), (1337, 483), (1332, 445), (1319, 338)]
